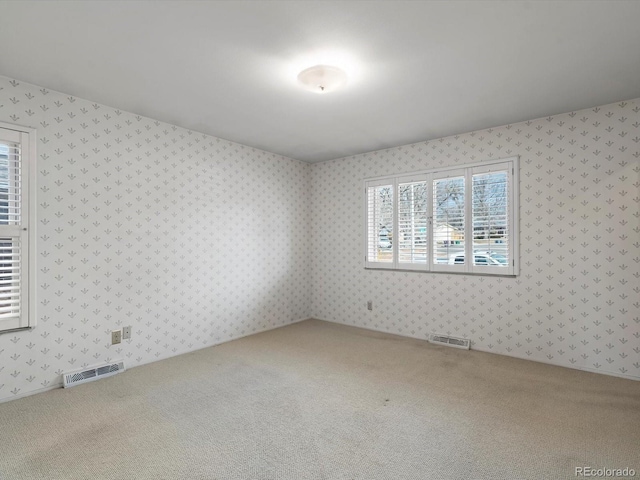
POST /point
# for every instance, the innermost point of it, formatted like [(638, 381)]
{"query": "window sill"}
[(13, 330), (476, 274)]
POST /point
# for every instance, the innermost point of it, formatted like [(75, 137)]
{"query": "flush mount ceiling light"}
[(322, 78)]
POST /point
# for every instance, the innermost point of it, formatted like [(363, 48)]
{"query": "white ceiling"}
[(420, 70)]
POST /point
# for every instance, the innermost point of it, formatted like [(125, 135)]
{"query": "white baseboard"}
[(267, 329), (28, 393), (129, 367), (557, 364), (520, 357)]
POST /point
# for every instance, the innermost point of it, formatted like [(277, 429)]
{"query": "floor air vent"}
[(71, 379), (449, 341)]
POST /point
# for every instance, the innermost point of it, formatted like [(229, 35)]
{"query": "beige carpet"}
[(317, 400)]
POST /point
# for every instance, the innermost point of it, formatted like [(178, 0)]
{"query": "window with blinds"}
[(15, 157), (490, 217), (449, 220), (413, 213), (380, 222), (461, 220)]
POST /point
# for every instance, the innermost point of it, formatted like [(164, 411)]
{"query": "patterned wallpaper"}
[(190, 239), (193, 240), (576, 302)]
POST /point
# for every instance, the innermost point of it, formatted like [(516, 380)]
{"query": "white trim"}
[(59, 384), (394, 232), (430, 262), (25, 206), (27, 231), (557, 364), (468, 220), (378, 182), (515, 215), (482, 350), (366, 224), (53, 386), (11, 135)]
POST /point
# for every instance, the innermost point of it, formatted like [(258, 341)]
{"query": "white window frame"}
[(468, 170), (26, 137)]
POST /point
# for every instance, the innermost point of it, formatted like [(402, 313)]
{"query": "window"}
[(413, 217), (380, 205), (16, 154), (462, 219)]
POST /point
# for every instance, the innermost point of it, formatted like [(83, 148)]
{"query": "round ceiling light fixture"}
[(322, 78)]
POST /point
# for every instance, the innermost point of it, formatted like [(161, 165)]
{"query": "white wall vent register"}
[(76, 377), (449, 341)]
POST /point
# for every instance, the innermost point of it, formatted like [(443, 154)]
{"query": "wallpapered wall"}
[(190, 239), (194, 240), (577, 300)]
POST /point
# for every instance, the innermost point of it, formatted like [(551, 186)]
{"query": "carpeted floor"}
[(317, 400)]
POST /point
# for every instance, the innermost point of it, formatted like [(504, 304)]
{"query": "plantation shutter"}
[(462, 220), (449, 221), (14, 243), (413, 215), (492, 218), (380, 223)]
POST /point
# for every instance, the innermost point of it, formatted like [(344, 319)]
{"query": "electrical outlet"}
[(126, 333), (370, 305), (116, 337)]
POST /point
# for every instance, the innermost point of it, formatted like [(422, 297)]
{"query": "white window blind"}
[(490, 216), (460, 219), (413, 214), (380, 223), (14, 223), (449, 222)]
